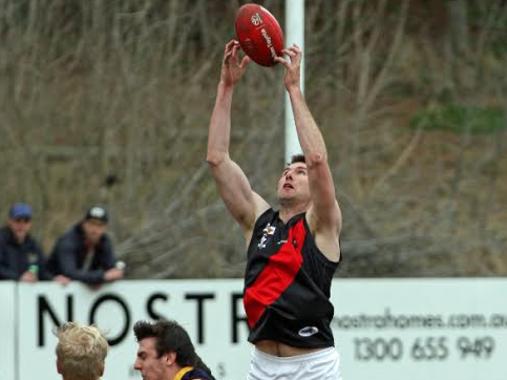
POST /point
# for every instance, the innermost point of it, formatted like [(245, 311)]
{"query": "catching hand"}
[(292, 66), (232, 67)]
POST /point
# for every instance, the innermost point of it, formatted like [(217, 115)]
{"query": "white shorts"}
[(319, 365)]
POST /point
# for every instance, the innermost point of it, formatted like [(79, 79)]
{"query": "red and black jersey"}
[(287, 284)]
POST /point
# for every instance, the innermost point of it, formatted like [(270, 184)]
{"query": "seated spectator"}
[(166, 353), (85, 252), (21, 256), (81, 352)]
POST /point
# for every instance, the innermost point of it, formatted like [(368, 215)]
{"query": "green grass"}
[(461, 119)]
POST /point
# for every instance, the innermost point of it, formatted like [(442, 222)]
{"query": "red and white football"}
[(259, 34)]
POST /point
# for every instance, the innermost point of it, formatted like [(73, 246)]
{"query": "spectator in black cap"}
[(21, 256), (85, 252)]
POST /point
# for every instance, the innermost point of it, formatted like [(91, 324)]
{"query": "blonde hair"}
[(81, 351)]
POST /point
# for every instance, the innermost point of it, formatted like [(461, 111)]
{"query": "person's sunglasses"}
[(22, 220)]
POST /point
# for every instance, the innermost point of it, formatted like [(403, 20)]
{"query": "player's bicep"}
[(325, 213), (235, 190), (325, 227)]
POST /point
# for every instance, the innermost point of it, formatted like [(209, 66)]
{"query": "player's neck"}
[(288, 211)]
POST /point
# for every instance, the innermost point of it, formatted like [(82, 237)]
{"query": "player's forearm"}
[(220, 125), (309, 135)]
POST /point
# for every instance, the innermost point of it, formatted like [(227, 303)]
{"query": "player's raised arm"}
[(242, 202), (324, 215)]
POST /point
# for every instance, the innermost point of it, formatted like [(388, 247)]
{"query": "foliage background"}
[(109, 102)]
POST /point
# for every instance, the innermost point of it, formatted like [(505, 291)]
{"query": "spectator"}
[(21, 256), (85, 252), (166, 353), (81, 352)]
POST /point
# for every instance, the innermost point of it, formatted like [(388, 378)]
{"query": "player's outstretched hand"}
[(292, 66), (233, 67)]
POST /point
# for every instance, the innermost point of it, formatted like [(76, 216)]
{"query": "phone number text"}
[(430, 348)]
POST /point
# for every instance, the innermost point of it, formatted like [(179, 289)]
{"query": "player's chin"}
[(282, 193), (285, 196)]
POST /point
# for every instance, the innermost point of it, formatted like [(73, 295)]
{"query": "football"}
[(259, 34)]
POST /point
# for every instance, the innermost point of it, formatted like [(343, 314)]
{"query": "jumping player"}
[(293, 252)]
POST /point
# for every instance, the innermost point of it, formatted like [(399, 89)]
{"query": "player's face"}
[(293, 184), (147, 362)]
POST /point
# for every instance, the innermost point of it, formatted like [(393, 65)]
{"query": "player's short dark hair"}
[(171, 337), (297, 158)]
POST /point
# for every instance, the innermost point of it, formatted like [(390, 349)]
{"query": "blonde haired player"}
[(81, 352)]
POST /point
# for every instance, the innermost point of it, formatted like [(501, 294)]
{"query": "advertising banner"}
[(422, 328), (7, 336), (391, 329), (211, 311)]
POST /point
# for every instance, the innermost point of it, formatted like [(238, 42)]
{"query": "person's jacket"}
[(16, 258), (69, 255)]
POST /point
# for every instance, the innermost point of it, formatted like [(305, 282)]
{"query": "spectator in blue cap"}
[(21, 256), (85, 252)]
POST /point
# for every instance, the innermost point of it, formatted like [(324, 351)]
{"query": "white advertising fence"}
[(438, 329), (7, 336)]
